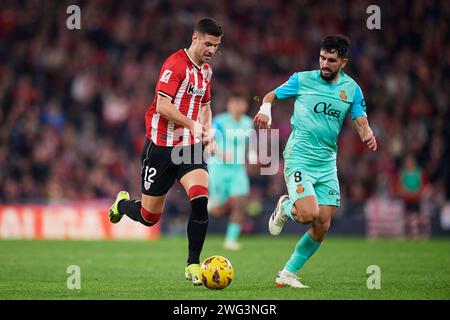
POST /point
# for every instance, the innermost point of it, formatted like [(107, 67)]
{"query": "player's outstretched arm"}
[(165, 107), (365, 132), (263, 118)]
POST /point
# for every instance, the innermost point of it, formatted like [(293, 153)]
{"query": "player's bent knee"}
[(216, 212), (304, 219), (301, 217), (149, 218), (306, 216), (197, 191), (315, 214), (199, 203)]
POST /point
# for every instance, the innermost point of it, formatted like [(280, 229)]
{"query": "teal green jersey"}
[(319, 112), (232, 137)]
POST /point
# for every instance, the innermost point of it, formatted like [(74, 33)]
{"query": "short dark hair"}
[(338, 43), (208, 26), (237, 94)]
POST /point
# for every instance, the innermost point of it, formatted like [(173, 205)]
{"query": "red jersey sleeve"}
[(172, 75)]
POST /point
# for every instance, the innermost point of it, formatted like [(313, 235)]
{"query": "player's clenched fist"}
[(208, 135), (197, 130), (208, 140), (370, 140), (211, 148), (263, 120)]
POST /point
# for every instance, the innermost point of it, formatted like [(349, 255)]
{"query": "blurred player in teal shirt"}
[(229, 183), (322, 100)]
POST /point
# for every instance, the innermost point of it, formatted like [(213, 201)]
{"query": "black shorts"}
[(162, 165)]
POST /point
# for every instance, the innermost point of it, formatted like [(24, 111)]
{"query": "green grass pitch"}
[(155, 269)]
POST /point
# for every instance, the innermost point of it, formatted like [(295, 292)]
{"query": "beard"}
[(328, 77)]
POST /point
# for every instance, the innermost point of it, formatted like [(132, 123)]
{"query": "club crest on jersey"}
[(195, 91), (300, 188), (343, 95)]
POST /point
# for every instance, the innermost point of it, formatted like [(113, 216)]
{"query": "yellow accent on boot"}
[(114, 214), (192, 273)]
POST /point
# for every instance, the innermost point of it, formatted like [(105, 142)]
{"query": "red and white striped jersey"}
[(188, 85)]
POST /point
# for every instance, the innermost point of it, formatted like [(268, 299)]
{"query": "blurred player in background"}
[(229, 181), (411, 185), (322, 100), (182, 100)]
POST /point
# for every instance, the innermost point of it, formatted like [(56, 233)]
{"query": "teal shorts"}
[(303, 181), (225, 182)]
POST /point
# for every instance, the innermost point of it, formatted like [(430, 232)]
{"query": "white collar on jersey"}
[(196, 65)]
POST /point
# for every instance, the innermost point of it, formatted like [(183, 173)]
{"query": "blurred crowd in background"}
[(72, 102)]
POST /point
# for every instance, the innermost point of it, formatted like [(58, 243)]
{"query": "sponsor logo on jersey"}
[(333, 193), (327, 110), (193, 90)]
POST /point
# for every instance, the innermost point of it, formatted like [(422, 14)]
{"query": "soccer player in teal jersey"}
[(322, 100), (229, 183)]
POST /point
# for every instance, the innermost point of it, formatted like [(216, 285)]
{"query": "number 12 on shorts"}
[(149, 173)]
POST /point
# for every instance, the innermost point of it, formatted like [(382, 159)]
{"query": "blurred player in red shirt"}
[(411, 184)]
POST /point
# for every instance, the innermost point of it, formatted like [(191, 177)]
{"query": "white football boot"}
[(232, 245), (288, 279), (278, 217)]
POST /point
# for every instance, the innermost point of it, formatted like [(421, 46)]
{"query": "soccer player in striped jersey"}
[(178, 130), (322, 100)]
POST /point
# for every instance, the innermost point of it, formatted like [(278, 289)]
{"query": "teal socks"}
[(287, 206), (233, 231), (304, 249)]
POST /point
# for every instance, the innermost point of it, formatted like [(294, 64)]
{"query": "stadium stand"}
[(72, 102)]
